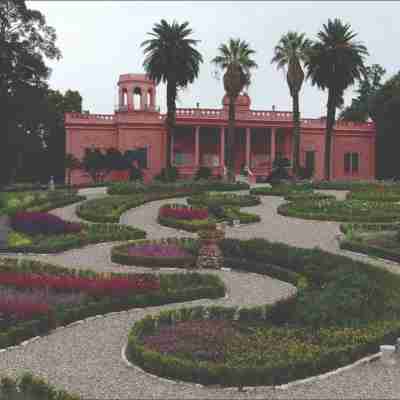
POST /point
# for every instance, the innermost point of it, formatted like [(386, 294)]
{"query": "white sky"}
[(100, 40)]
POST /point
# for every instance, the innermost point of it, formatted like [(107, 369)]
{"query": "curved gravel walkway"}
[(86, 358)]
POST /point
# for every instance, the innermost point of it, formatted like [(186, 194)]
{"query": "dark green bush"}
[(170, 174), (27, 387), (203, 173)]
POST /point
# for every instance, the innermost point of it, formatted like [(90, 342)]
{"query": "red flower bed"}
[(182, 212), (98, 286), (22, 309), (33, 223)]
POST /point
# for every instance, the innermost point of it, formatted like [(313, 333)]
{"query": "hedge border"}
[(284, 209), (44, 325), (80, 239), (201, 200), (207, 373), (28, 384), (374, 251), (120, 255)]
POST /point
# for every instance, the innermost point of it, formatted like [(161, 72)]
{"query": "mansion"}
[(199, 138)]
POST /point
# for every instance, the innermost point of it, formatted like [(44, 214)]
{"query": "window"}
[(351, 163), (138, 157)]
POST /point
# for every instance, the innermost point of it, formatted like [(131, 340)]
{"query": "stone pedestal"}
[(210, 256)]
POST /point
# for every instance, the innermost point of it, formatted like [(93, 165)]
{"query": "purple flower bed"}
[(35, 223), (180, 211), (157, 250)]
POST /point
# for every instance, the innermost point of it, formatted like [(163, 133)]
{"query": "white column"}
[(273, 137), (248, 147), (197, 146)]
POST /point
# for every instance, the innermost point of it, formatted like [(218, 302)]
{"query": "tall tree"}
[(235, 58), (358, 111), (335, 62), (170, 57), (25, 41), (384, 106), (290, 53)]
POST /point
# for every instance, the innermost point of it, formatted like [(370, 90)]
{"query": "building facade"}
[(200, 136)]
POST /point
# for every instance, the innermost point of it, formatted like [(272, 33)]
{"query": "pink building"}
[(200, 136)]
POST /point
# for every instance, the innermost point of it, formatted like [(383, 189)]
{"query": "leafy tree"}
[(235, 58), (384, 106), (71, 163), (25, 41), (335, 62), (359, 111), (95, 164), (170, 57), (291, 53)]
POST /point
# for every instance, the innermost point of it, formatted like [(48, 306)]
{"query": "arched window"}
[(137, 96)]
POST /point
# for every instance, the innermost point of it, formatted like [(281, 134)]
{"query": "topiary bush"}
[(203, 173)]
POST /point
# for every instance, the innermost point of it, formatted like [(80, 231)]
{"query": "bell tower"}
[(136, 92)]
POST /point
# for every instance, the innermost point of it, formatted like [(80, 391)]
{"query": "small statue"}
[(51, 183)]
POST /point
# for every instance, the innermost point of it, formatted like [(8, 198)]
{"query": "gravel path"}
[(85, 358)]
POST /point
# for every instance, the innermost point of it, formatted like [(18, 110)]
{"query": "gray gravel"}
[(86, 358)]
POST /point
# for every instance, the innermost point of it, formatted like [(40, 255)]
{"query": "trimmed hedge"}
[(31, 388), (110, 209), (359, 302), (125, 188), (119, 255), (281, 189), (174, 288), (342, 211), (90, 234), (213, 200)]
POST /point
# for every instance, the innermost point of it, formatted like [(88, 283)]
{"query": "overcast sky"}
[(101, 40)]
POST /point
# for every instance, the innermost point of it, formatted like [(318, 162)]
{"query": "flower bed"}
[(84, 293), (89, 234), (377, 193), (343, 310), (34, 223), (165, 253), (344, 211), (37, 201), (218, 199), (29, 387), (216, 214), (183, 213), (383, 244)]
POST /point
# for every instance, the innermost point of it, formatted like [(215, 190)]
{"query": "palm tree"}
[(335, 62), (290, 53), (235, 58), (171, 58)]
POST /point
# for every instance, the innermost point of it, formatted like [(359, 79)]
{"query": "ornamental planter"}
[(210, 255)]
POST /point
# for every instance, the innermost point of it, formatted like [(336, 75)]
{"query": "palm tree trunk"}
[(330, 122), (171, 113), (230, 143), (296, 135)]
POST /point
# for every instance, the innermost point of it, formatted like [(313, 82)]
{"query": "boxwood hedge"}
[(174, 288)]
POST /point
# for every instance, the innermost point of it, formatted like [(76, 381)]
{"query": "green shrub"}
[(170, 174), (219, 199), (27, 387), (90, 233), (203, 173)]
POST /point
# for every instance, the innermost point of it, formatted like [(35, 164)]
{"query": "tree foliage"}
[(235, 58), (290, 53), (335, 62), (171, 57), (359, 110), (25, 42)]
